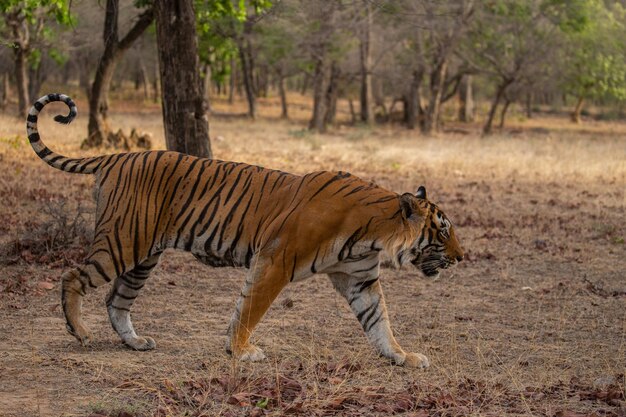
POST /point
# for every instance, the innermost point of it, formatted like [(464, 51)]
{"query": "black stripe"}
[(313, 269), (192, 193), (231, 213), (364, 312), (366, 284), (370, 315), (116, 234), (99, 268), (335, 178), (367, 269), (125, 297), (33, 137), (373, 323), (343, 187), (293, 270), (381, 200), (232, 189), (38, 105), (44, 152), (32, 118), (355, 190)]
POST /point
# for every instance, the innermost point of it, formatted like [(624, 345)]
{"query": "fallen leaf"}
[(45, 285)]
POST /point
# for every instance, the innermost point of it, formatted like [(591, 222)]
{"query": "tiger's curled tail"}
[(77, 165)]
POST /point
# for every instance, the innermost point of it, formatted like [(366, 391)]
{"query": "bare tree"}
[(365, 53), (114, 49)]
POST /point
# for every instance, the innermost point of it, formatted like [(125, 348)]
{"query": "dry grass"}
[(534, 323)]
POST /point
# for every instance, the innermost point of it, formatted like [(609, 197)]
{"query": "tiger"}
[(282, 227)]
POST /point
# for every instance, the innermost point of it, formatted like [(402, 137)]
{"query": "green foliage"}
[(595, 55), (29, 9), (219, 23)]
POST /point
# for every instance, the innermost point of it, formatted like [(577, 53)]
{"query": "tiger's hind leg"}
[(96, 271), (123, 293), (73, 289)]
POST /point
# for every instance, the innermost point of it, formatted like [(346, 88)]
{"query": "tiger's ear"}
[(407, 205), (421, 192)]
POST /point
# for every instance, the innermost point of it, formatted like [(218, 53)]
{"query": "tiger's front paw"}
[(141, 343), (251, 353), (416, 360)]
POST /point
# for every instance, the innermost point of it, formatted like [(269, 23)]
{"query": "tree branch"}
[(145, 19)]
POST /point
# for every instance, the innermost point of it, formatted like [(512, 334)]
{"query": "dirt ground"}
[(533, 322)]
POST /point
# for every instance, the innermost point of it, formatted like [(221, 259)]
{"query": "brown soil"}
[(532, 323)]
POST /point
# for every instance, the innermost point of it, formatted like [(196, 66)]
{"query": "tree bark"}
[(430, 121), (412, 101), (21, 79), (488, 127), (284, 114), (367, 115), (248, 80), (114, 49), (332, 94), (320, 86), (507, 102), (184, 106), (156, 91), (4, 91), (529, 105), (232, 82), (247, 66), (305, 83), (352, 111), (577, 110), (21, 47), (466, 100)]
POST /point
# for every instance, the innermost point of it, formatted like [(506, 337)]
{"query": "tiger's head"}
[(436, 246)]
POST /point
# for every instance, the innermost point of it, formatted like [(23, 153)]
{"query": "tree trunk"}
[(232, 82), (184, 107), (4, 91), (466, 100), (320, 86), (367, 115), (487, 128), (577, 110), (21, 46), (352, 112), (21, 79), (529, 105), (262, 81), (412, 101), (36, 77), (507, 102), (305, 83), (98, 127), (156, 84), (114, 49), (83, 74), (332, 94), (430, 121), (206, 79), (284, 114), (247, 74)]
